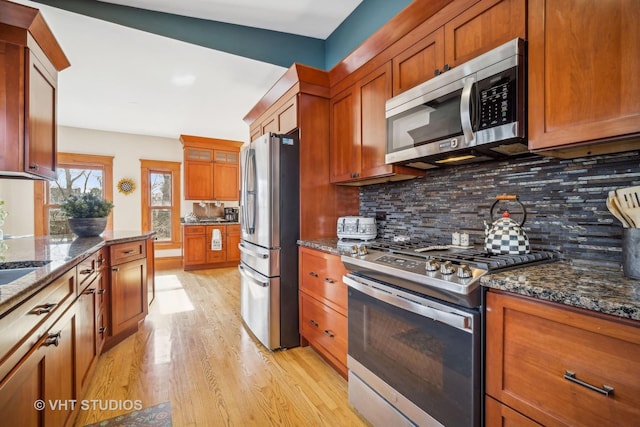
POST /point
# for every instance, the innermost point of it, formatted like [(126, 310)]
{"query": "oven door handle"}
[(412, 304)]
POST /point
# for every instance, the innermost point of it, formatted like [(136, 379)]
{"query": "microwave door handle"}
[(465, 110)]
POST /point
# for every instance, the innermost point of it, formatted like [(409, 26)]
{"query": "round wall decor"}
[(126, 186)]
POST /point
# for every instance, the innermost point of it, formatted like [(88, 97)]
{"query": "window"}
[(76, 173), (161, 201)]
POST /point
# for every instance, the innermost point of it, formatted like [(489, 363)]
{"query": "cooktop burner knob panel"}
[(464, 272), (432, 265), (446, 268)]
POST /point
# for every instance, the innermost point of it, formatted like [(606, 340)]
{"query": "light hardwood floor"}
[(194, 351)]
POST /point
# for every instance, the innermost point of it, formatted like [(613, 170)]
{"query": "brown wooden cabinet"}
[(91, 317), (30, 58), (194, 245), (197, 252), (583, 57), (561, 366), (128, 288), (323, 306), (300, 99), (211, 168), (476, 27), (45, 375), (358, 132)]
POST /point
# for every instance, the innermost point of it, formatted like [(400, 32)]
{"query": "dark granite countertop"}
[(63, 252), (597, 289), (209, 222)]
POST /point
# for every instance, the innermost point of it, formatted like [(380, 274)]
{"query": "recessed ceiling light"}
[(183, 79)]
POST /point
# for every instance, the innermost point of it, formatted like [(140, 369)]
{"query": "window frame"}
[(160, 166), (75, 161)]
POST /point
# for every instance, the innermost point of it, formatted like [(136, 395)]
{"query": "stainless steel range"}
[(414, 350)]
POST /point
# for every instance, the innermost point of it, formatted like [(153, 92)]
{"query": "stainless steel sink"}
[(9, 275)]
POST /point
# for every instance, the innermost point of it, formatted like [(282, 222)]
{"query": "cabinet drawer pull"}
[(102, 330), (313, 323), (87, 271), (115, 269), (312, 274), (53, 339), (329, 333), (101, 291), (90, 291), (129, 252), (571, 376), (34, 166), (43, 309), (329, 280)]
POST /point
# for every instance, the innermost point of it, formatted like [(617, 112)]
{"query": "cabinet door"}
[(198, 179), (215, 256), (128, 295), (583, 68), (233, 240), (537, 354), (225, 181), (86, 351), (497, 414), (288, 116), (194, 249), (419, 63), (345, 136), (374, 91), (487, 24), (40, 131)]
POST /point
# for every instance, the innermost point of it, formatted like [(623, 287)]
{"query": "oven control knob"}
[(354, 250), (362, 250), (432, 265), (464, 272), (446, 268)]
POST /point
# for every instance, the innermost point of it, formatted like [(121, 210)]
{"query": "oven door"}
[(406, 347)]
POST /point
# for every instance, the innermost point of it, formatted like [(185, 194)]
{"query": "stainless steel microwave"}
[(473, 112)]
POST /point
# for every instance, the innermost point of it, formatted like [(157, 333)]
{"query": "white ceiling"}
[(126, 80)]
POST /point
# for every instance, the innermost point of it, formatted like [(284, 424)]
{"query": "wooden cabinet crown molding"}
[(205, 142), (304, 78), (31, 22)]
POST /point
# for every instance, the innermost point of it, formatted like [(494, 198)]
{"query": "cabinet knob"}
[(446, 67), (34, 166), (52, 339), (437, 72), (42, 309)]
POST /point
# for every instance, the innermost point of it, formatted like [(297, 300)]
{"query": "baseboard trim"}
[(168, 263)]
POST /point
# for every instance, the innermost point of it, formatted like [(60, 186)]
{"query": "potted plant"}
[(86, 213)]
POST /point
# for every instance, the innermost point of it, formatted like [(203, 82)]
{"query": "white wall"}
[(127, 150)]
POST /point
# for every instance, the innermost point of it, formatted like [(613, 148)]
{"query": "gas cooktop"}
[(446, 272)]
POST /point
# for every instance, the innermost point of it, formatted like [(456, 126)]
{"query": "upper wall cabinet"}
[(473, 30), (211, 168), (30, 59), (583, 74), (358, 133)]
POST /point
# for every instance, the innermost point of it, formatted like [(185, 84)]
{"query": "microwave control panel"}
[(498, 100)]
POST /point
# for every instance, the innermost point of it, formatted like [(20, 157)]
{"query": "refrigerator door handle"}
[(252, 277), (255, 254), (249, 192)]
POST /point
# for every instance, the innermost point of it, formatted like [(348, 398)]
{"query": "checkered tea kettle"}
[(506, 237)]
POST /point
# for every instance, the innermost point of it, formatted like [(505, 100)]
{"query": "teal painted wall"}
[(365, 20), (263, 45)]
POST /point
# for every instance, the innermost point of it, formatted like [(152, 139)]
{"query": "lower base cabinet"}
[(197, 252), (40, 391), (323, 306), (558, 366)]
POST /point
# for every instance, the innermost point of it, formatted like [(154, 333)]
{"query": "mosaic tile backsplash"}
[(565, 202)]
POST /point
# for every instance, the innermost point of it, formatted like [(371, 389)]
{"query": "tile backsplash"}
[(565, 202)]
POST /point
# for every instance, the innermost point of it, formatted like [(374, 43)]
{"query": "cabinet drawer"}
[(325, 327), (193, 229), (537, 353), (88, 270), (233, 230), (321, 276), (125, 252), (20, 327)]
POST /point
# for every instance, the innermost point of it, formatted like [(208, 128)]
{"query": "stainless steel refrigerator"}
[(270, 219)]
